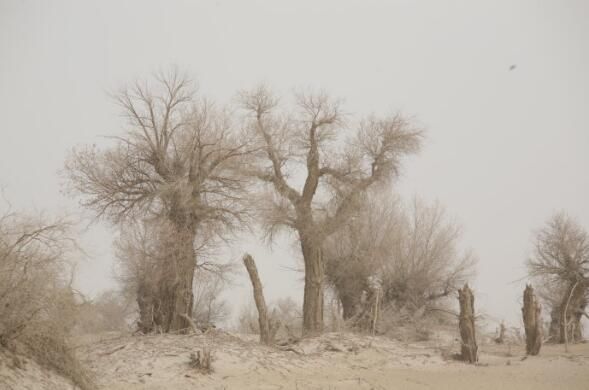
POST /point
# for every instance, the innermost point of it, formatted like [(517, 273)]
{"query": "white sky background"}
[(504, 150)]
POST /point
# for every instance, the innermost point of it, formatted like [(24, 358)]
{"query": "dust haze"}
[(287, 194)]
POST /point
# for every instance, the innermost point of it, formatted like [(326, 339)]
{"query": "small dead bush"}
[(407, 325), (285, 312), (202, 361)]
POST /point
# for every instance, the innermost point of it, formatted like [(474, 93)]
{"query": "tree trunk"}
[(146, 305), (313, 298), (176, 285), (501, 338), (265, 335), (570, 313), (466, 324), (554, 328), (350, 305), (532, 321)]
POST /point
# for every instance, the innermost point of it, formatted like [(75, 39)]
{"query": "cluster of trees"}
[(180, 178), (560, 265), (187, 172), (409, 250)]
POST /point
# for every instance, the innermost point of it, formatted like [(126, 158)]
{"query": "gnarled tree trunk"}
[(313, 297), (532, 321), (469, 347), (175, 292)]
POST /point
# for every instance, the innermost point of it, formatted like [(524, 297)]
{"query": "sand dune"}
[(332, 361)]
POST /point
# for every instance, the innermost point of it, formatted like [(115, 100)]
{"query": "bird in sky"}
[(512, 67)]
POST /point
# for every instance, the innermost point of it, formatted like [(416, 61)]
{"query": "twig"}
[(113, 351)]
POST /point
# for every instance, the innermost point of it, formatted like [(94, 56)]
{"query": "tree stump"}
[(501, 338), (266, 333), (202, 361), (532, 321), (466, 325)]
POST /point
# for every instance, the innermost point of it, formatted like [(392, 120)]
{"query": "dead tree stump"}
[(202, 361), (532, 321), (501, 338), (266, 334), (466, 325)]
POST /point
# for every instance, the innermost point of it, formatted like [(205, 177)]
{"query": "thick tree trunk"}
[(313, 297), (265, 334), (554, 328), (532, 321), (350, 304), (176, 284), (501, 338), (466, 324), (146, 304)]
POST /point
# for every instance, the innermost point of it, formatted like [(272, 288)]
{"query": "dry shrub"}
[(37, 304), (410, 325), (285, 311), (50, 348), (209, 309), (111, 311)]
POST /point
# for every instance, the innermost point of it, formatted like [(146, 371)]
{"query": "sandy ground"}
[(332, 361), (19, 373)]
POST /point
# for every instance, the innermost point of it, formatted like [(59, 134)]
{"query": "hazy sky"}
[(505, 148)]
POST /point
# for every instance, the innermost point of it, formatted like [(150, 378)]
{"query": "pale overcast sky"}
[(505, 148)]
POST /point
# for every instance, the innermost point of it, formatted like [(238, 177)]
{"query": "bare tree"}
[(33, 271), (38, 305), (413, 250), (360, 249), (561, 262), (140, 258), (210, 308), (179, 160), (338, 171), (426, 263)]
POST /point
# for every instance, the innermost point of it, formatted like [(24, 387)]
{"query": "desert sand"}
[(332, 361)]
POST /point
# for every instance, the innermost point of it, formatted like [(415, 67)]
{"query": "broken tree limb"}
[(532, 321), (191, 323), (469, 346), (266, 334)]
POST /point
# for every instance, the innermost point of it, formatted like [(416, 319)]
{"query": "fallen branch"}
[(113, 351), (191, 322)]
